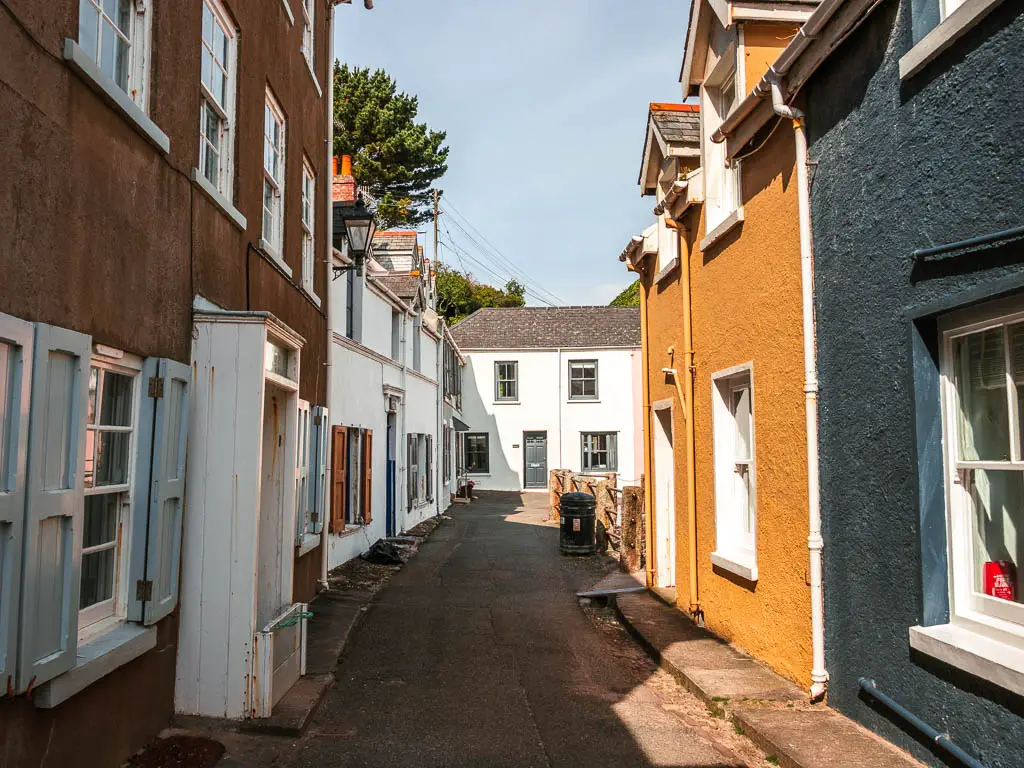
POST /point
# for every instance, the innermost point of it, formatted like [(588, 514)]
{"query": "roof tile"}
[(549, 328)]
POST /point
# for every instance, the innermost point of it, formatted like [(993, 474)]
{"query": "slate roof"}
[(394, 241), (403, 286), (677, 124), (549, 328)]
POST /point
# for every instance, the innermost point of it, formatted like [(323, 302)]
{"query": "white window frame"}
[(721, 175), (735, 525), (139, 48), (956, 18), (226, 111), (273, 241), (100, 616), (308, 34), (968, 607), (308, 194)]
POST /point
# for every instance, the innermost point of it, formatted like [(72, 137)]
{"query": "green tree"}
[(394, 157), (459, 295), (629, 297)]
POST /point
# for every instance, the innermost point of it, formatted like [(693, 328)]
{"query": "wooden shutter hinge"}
[(156, 386), (144, 590)]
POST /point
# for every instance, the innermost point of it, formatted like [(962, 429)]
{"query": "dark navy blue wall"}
[(902, 166)]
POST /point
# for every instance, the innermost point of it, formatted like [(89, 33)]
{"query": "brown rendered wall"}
[(105, 235)]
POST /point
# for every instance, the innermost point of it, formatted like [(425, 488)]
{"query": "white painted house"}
[(386, 410), (551, 388)]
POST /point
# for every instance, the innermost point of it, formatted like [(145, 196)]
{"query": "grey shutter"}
[(430, 467), (303, 451), (51, 570), (321, 431), (410, 475), (159, 490), (15, 396)]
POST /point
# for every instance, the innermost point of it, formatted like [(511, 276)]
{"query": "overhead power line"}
[(489, 251)]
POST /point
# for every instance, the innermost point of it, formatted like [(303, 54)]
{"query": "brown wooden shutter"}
[(368, 477), (339, 466)]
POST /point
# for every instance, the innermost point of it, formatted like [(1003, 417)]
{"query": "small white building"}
[(551, 388)]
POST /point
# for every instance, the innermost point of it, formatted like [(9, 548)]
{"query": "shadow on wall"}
[(501, 476)]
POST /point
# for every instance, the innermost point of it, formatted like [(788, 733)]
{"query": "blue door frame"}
[(390, 518)]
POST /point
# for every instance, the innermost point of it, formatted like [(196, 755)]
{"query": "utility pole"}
[(437, 213)]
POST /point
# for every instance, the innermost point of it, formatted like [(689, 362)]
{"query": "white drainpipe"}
[(819, 675), (328, 260)]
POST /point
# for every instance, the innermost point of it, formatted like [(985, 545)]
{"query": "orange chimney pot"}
[(346, 165)]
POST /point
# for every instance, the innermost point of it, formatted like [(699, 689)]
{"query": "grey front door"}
[(535, 455)]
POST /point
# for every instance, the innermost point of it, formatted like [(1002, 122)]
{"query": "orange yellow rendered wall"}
[(746, 304), (664, 330), (762, 44)]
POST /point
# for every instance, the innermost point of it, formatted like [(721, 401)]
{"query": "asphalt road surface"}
[(478, 653)]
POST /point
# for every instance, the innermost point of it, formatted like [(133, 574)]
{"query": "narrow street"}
[(477, 653)]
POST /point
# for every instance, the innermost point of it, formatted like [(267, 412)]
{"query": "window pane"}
[(741, 412), (88, 27), (97, 577), (94, 384), (207, 23), (111, 458), (998, 532), (100, 526), (980, 371), (207, 69), (219, 87), (1017, 364), (116, 410)]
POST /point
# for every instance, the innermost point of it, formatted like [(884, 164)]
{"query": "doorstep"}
[(773, 712)]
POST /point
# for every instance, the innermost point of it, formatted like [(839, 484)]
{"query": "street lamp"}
[(359, 225)]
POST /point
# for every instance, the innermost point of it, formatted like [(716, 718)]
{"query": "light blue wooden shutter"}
[(55, 505), (159, 490), (320, 447), (303, 452), (15, 395)]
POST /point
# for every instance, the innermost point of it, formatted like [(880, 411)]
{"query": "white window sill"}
[(583, 400), (288, 11), (312, 296), (948, 31), (667, 270), (86, 68), (97, 658), (218, 199), (268, 249), (506, 402), (310, 541), (973, 652), (732, 564), (732, 220), (312, 74), (478, 474)]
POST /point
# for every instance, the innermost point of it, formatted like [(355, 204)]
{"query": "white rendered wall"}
[(544, 406), (361, 370), (357, 400)]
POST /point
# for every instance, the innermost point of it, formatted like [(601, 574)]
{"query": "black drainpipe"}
[(941, 740)]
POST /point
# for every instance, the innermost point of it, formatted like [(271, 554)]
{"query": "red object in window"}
[(999, 579)]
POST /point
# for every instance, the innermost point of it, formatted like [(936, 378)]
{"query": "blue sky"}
[(545, 105)]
